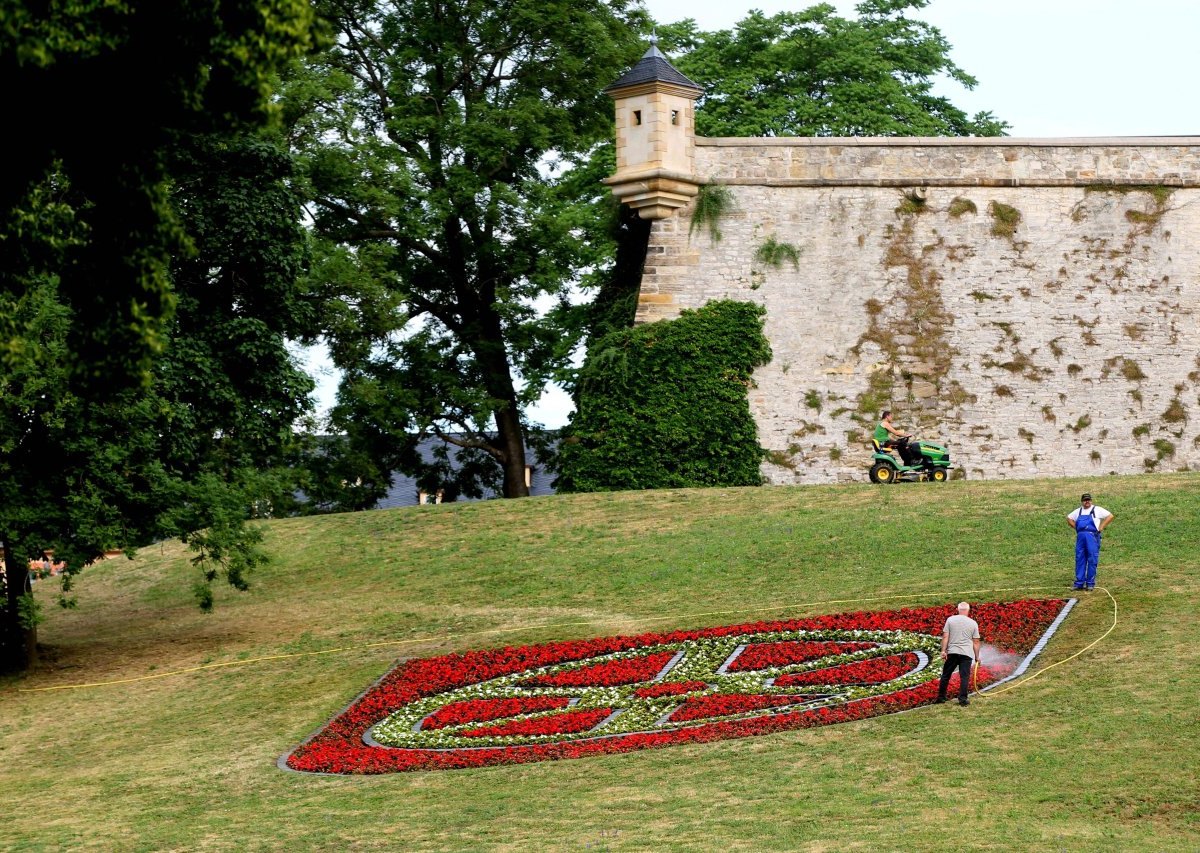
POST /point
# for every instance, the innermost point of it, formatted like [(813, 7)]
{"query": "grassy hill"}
[(1099, 753)]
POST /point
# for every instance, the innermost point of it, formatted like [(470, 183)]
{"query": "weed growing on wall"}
[(1175, 413), (773, 253), (1004, 219), (1132, 371), (712, 202), (910, 204), (664, 405), (961, 206)]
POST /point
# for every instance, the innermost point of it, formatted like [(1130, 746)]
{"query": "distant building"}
[(405, 492)]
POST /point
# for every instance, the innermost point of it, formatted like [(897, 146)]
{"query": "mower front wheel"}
[(881, 472), (939, 475)]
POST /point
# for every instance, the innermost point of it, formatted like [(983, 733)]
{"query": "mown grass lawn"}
[(1096, 754)]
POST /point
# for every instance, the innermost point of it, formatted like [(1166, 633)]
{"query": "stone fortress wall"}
[(1035, 304)]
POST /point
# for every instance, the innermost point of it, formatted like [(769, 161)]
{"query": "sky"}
[(1047, 67), (1050, 68)]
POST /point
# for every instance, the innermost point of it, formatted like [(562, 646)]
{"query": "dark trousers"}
[(908, 453), (963, 662)]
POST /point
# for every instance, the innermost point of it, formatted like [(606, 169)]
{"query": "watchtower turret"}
[(656, 136)]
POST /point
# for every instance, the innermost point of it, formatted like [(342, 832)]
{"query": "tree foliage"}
[(208, 442), (664, 405), (435, 137), (123, 420), (226, 367), (103, 90), (815, 73)]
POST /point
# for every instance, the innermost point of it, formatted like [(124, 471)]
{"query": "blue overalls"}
[(1087, 549)]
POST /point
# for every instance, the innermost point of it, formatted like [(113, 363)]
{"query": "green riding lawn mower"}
[(921, 461)]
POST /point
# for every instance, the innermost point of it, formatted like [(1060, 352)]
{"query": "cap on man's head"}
[(1087, 496)]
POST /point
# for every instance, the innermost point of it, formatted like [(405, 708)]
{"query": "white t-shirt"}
[(1098, 514), (960, 631)]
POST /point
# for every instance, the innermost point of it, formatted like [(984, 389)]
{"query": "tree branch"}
[(470, 443)]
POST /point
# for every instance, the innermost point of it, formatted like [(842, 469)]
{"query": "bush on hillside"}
[(664, 405)]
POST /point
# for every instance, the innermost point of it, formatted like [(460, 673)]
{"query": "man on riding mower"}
[(891, 438)]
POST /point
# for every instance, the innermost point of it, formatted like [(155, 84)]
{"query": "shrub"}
[(664, 405)]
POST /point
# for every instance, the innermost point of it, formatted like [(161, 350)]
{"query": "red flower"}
[(782, 654), (559, 724), (607, 674), (873, 671), (482, 710)]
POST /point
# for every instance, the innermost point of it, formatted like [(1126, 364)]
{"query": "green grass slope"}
[(1098, 753)]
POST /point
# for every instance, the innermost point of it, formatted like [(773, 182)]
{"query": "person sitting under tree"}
[(893, 439)]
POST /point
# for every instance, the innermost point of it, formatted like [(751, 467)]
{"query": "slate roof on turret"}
[(652, 68)]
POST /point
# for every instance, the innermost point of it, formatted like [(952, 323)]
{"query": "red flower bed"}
[(675, 688), (339, 747), (482, 710), (782, 654), (606, 674), (873, 671), (559, 724), (722, 706)]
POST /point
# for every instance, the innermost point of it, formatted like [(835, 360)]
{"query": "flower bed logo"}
[(615, 694)]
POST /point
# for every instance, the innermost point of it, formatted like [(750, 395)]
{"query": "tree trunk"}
[(508, 425), (497, 378), (18, 644), (615, 305)]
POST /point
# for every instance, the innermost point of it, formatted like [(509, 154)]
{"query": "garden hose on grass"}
[(1026, 680)]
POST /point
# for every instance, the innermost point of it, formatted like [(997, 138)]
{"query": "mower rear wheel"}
[(881, 472), (939, 475)]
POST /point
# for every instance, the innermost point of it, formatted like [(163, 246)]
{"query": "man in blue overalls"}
[(1088, 522)]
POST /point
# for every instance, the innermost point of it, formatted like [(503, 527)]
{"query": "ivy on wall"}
[(664, 405)]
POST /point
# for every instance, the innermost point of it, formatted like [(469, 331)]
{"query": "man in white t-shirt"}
[(1088, 522), (960, 650)]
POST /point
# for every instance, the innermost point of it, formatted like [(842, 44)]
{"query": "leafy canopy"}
[(104, 89), (815, 73)]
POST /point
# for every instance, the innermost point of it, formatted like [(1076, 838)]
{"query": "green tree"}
[(435, 136), (815, 73), (226, 369), (208, 442), (104, 90), (102, 443)]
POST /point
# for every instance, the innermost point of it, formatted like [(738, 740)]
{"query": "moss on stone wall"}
[(1004, 219), (911, 331)]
